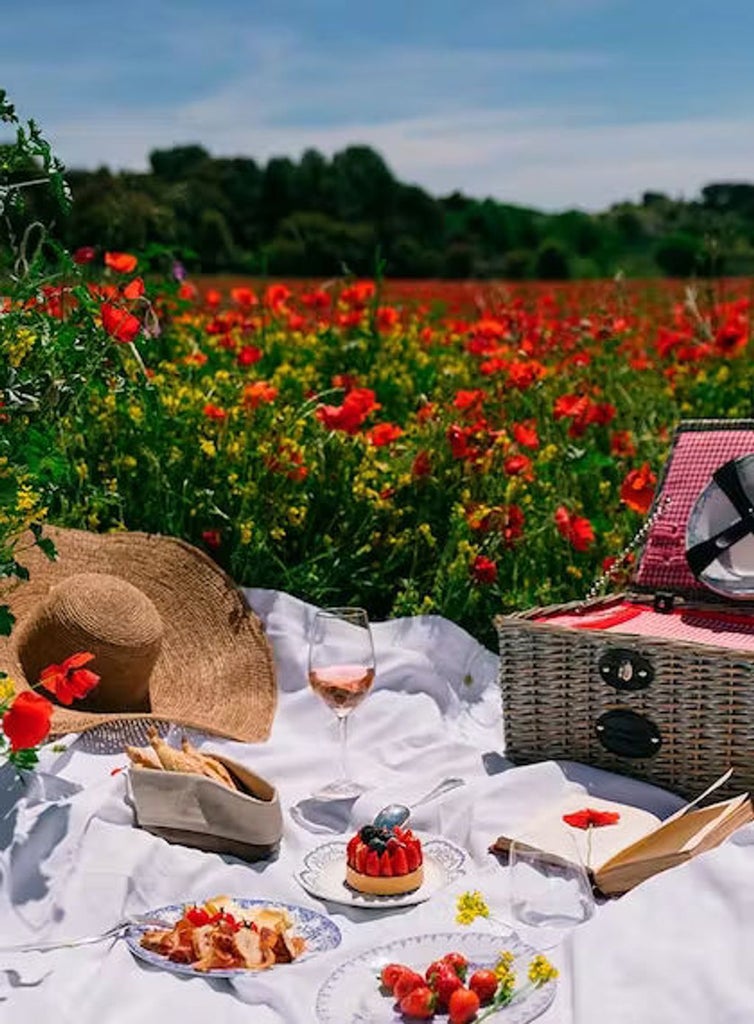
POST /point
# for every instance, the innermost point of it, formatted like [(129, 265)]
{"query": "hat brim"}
[(215, 671)]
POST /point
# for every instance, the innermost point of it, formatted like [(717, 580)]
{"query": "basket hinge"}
[(664, 601)]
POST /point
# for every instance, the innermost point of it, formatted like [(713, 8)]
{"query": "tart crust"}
[(379, 885)]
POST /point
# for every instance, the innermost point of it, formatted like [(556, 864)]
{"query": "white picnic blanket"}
[(72, 863)]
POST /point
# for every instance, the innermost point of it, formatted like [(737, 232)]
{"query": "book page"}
[(679, 835), (550, 833)]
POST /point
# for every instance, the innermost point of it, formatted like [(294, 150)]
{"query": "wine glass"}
[(548, 890), (341, 672)]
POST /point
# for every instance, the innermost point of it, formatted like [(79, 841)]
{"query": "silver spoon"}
[(396, 814)]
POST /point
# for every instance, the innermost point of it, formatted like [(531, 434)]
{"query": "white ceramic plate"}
[(320, 932), (352, 993), (732, 572), (324, 875)]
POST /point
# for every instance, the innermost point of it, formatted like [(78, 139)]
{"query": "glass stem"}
[(343, 731)]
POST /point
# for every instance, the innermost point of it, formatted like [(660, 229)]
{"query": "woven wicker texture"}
[(699, 448), (560, 666), (160, 617), (701, 699)]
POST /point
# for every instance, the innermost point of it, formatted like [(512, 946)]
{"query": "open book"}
[(638, 845)]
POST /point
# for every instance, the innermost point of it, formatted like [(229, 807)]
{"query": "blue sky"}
[(548, 103)]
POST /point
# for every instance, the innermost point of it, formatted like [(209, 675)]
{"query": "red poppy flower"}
[(276, 296), (134, 289), (384, 433), (258, 393), (621, 443), (214, 412), (212, 538), (387, 318), (27, 721), (422, 464), (526, 434), (84, 254), (248, 355), (349, 416), (483, 570), (244, 297), (70, 680), (121, 262), (518, 465), (589, 818), (469, 401), (638, 489), (577, 530), (119, 323)]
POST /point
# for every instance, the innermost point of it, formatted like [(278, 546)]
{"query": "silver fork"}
[(116, 932)]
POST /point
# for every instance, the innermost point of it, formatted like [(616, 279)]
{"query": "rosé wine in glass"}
[(342, 686), (341, 672)]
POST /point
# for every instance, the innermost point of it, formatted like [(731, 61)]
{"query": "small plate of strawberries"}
[(458, 978)]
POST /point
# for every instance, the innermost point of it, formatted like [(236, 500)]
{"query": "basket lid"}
[(691, 486)]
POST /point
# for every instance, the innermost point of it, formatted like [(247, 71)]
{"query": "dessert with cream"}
[(384, 861)]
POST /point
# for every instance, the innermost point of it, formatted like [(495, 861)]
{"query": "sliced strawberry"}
[(393, 843), (386, 868), (373, 863), (361, 858), (351, 850), (413, 855), (400, 862)]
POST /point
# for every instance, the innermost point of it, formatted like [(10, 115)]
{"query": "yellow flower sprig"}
[(470, 906)]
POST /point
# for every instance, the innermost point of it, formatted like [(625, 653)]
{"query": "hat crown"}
[(110, 609), (108, 617)]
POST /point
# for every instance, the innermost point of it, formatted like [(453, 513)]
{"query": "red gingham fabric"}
[(695, 456), (718, 629)]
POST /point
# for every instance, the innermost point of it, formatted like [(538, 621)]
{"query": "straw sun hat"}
[(173, 637)]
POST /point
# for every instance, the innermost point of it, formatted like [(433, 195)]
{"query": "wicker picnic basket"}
[(656, 682)]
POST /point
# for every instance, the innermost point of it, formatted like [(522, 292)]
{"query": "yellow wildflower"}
[(470, 906), (208, 447), (135, 412), (541, 970), (7, 690), (245, 532)]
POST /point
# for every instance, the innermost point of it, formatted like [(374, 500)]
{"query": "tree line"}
[(322, 216)]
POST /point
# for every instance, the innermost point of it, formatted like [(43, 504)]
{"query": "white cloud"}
[(447, 119), (529, 157)]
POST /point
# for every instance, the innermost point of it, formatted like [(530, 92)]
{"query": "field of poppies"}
[(422, 447)]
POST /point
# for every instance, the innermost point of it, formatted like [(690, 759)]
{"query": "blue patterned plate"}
[(321, 934), (324, 871), (352, 994)]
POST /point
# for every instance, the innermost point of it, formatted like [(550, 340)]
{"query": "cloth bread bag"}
[(197, 811)]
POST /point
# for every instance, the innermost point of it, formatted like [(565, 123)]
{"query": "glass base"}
[(340, 789)]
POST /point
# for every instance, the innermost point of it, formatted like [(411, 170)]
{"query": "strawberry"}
[(484, 983), (351, 849), (419, 1002), (373, 863), (393, 843), (462, 1006), (406, 982), (433, 968), (458, 962), (386, 868), (390, 974), (361, 859), (444, 983), (400, 862), (413, 855)]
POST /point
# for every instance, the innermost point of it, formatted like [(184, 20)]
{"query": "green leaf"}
[(47, 547), (26, 758), (7, 618)]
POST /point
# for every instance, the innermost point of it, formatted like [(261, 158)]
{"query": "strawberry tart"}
[(384, 861)]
